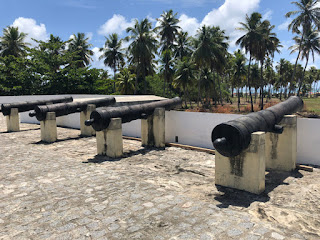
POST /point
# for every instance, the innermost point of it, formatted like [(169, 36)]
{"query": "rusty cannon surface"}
[(232, 137), (100, 118), (30, 105), (62, 109)]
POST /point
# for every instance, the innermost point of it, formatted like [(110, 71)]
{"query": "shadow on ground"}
[(100, 159), (233, 197)]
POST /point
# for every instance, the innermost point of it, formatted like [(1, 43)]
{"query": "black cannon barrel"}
[(232, 137), (30, 105), (100, 118), (62, 109)]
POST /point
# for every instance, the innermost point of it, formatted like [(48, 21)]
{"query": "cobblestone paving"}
[(63, 191)]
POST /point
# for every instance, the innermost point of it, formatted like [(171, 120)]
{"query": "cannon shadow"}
[(62, 140), (24, 130), (233, 197), (100, 159)]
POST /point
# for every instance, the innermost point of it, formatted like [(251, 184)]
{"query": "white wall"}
[(195, 129)]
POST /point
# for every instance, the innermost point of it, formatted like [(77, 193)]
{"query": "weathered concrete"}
[(153, 129), (49, 128), (13, 121), (109, 141), (281, 149), (245, 171), (87, 131), (64, 191)]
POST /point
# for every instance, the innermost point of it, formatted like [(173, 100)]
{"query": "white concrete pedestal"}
[(245, 171), (49, 128), (13, 122), (281, 149), (109, 141), (153, 129), (87, 131)]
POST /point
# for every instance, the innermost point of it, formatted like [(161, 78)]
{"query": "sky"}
[(99, 18)]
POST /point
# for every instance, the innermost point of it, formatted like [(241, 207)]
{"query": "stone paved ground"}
[(63, 191)]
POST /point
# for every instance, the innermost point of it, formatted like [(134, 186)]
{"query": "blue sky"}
[(99, 18)]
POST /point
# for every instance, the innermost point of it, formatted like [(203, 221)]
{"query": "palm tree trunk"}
[(114, 80), (199, 90), (238, 98), (185, 96), (261, 85), (295, 65), (304, 71), (250, 59), (220, 95)]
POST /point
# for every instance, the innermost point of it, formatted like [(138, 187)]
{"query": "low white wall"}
[(195, 129)]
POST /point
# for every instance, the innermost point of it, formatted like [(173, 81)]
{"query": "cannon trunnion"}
[(100, 119), (30, 105), (62, 109), (232, 137)]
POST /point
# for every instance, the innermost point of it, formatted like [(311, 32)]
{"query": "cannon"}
[(62, 109), (232, 137), (30, 105), (100, 118)]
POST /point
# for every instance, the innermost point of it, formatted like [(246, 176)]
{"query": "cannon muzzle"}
[(232, 137)]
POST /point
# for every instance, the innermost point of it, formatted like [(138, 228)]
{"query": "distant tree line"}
[(166, 61)]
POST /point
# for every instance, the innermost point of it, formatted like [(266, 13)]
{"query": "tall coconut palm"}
[(112, 54), (307, 15), (308, 43), (182, 47), (185, 75), (239, 71), (249, 40), (13, 42), (168, 30), (267, 43), (210, 50), (125, 81), (79, 44), (142, 49)]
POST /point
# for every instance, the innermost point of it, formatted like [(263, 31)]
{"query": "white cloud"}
[(116, 24), (189, 24), (228, 16), (89, 35), (29, 26), (95, 58), (284, 25), (267, 15)]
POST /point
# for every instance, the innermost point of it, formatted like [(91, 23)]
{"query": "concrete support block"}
[(153, 129), (49, 128), (13, 122), (87, 131), (245, 171), (281, 149), (109, 141)]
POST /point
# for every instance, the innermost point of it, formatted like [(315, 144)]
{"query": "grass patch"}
[(312, 105)]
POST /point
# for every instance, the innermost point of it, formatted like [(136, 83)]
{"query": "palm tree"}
[(182, 47), (249, 40), (308, 43), (308, 14), (13, 42), (142, 49), (239, 71), (167, 68), (112, 54), (125, 81), (267, 44), (185, 76), (210, 51), (168, 29), (79, 44)]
